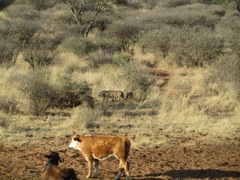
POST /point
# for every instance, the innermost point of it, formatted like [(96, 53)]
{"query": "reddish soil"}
[(168, 161)]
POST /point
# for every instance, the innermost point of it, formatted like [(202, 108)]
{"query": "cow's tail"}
[(127, 147)]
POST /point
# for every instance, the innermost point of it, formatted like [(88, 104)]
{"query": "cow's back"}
[(104, 145)]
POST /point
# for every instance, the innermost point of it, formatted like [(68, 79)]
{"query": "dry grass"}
[(187, 105)]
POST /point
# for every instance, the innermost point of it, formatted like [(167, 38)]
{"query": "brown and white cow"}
[(95, 148)]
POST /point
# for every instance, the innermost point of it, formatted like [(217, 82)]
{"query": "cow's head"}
[(75, 142)]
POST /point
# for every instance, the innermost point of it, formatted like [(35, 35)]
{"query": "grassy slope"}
[(185, 104)]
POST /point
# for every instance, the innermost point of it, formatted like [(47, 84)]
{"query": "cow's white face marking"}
[(74, 144)]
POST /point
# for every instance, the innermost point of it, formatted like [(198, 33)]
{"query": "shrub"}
[(196, 47), (220, 12), (98, 58), (14, 36), (8, 105), (36, 88), (213, 1), (175, 3), (79, 46), (139, 80), (135, 5), (40, 51), (4, 122), (121, 59), (41, 4), (230, 31), (156, 41), (89, 118), (7, 52), (109, 45), (150, 4), (22, 11), (226, 69), (5, 3), (121, 2), (22, 31), (125, 33), (201, 15), (71, 93)]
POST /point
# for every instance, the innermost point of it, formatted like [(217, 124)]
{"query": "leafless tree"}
[(80, 7)]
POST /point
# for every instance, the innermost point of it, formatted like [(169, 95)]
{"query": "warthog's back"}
[(112, 94)]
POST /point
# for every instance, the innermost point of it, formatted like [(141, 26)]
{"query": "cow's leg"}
[(96, 162), (124, 165), (121, 168), (127, 171), (89, 163)]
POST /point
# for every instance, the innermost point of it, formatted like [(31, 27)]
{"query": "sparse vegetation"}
[(180, 58), (79, 46), (70, 93), (36, 88)]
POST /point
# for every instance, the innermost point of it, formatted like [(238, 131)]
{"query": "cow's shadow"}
[(195, 174)]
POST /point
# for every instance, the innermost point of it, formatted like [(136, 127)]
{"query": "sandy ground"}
[(177, 159)]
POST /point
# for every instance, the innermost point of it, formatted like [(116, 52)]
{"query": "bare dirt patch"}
[(174, 160)]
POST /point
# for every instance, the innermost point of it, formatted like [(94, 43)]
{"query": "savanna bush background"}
[(52, 59)]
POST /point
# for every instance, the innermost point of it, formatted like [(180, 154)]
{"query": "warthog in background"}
[(128, 95), (114, 95)]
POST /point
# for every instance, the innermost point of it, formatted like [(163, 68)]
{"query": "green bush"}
[(14, 36), (156, 41), (23, 11), (121, 59), (98, 58), (8, 105), (7, 56), (4, 122), (227, 69), (40, 51), (125, 32), (176, 3), (150, 4), (138, 79), (230, 31), (196, 46), (5, 3), (41, 4), (109, 45), (121, 2), (89, 118), (71, 93), (190, 15), (213, 1), (79, 46), (36, 88)]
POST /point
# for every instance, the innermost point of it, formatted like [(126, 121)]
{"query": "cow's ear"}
[(77, 138)]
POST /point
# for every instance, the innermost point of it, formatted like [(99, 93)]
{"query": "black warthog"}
[(128, 95), (114, 95)]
